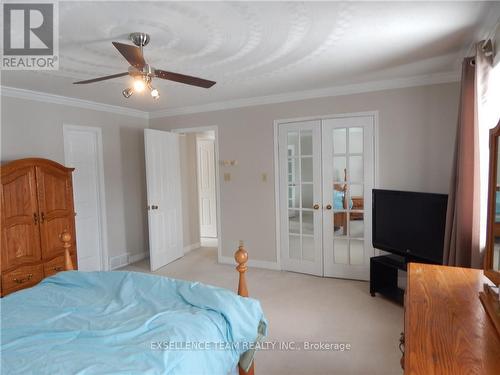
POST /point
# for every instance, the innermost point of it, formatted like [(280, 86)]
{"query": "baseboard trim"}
[(191, 247), (123, 260), (132, 258), (252, 263)]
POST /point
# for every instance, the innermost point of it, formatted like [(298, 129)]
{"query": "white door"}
[(348, 177), (83, 151), (164, 197), (300, 196), (206, 187)]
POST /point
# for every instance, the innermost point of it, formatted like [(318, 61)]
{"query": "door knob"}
[(328, 207), (316, 206)]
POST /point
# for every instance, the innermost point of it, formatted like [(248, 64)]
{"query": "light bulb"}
[(139, 85), (127, 93), (155, 94)]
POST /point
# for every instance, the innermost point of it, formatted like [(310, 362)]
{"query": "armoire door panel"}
[(55, 190), (20, 218), (50, 230), (21, 244), (55, 201)]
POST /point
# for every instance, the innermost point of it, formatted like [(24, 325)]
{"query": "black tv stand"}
[(384, 276)]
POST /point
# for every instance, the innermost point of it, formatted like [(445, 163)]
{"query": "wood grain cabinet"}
[(37, 206)]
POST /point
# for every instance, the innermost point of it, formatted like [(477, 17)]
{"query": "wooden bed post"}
[(241, 257), (66, 240)]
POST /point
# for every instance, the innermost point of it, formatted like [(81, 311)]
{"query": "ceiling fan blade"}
[(101, 78), (132, 54), (182, 78)]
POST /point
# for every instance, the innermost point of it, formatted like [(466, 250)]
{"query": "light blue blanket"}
[(125, 323)]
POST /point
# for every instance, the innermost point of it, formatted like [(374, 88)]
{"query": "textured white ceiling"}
[(255, 48)]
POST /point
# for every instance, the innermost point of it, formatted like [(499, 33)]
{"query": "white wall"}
[(417, 128), (35, 129)]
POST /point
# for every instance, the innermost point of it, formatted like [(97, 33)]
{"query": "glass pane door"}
[(347, 152), (300, 192)]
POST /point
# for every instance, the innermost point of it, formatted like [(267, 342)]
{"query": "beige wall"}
[(416, 136), (190, 211), (35, 129)]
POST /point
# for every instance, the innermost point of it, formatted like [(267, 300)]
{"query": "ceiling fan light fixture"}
[(127, 93), (142, 73)]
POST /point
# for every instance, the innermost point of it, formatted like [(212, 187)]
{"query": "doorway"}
[(198, 148), (179, 208), (326, 174), (83, 151)]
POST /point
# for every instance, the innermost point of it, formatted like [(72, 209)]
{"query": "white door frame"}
[(101, 196), (277, 123), (214, 128)]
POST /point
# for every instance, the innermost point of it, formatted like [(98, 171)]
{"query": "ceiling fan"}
[(144, 73)]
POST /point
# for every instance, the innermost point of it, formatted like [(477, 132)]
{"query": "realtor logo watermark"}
[(30, 35)]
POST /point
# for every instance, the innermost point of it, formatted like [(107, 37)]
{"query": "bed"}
[(129, 323)]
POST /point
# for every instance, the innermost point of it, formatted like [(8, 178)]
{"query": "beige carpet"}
[(307, 308)]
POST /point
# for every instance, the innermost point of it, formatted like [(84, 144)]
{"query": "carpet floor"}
[(307, 309)]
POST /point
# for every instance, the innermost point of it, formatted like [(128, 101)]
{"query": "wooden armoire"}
[(37, 206)]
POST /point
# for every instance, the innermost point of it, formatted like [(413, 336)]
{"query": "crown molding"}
[(14, 92), (421, 80)]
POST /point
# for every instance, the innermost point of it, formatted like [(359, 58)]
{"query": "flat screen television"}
[(409, 224)]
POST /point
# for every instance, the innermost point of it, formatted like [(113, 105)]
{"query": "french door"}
[(326, 178), (300, 176)]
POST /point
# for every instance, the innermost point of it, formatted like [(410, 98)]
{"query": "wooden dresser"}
[(37, 206), (447, 330)]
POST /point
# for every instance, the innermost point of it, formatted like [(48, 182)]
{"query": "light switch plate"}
[(227, 177), (264, 177)]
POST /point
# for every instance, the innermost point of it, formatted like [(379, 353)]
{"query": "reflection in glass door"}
[(300, 196), (347, 152)]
